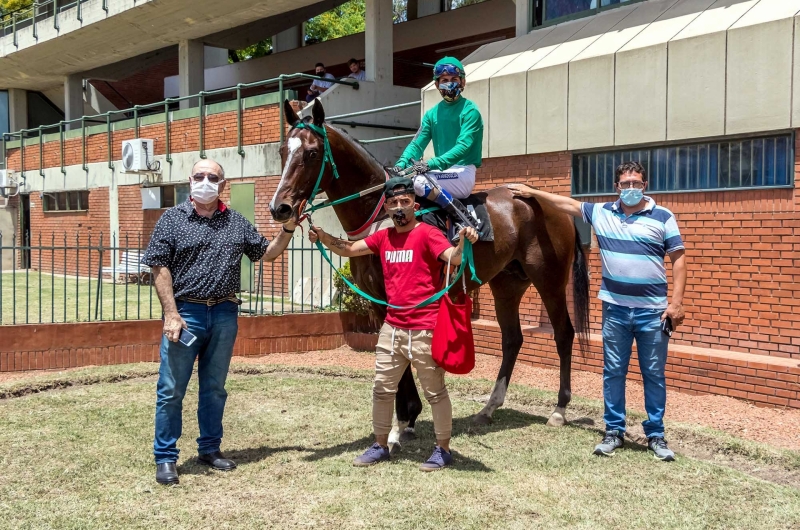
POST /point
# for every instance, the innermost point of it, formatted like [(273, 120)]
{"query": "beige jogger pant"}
[(392, 357)]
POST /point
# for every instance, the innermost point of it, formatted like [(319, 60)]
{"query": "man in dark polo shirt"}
[(196, 253)]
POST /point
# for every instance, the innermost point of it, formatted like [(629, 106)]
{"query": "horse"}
[(533, 244)]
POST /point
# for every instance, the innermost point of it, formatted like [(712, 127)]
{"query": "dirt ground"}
[(773, 426)]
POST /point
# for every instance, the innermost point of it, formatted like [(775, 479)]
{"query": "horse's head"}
[(302, 156)]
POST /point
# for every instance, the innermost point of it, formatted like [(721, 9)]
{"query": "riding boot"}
[(459, 214)]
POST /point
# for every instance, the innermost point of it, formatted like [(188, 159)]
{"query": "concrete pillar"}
[(524, 17), (191, 70), (427, 7), (378, 42), (288, 39), (73, 99), (17, 109)]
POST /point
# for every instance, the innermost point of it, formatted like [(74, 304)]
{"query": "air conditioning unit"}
[(137, 155), (8, 183)]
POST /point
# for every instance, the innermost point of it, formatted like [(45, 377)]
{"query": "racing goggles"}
[(447, 69)]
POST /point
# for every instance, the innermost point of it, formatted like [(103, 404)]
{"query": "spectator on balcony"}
[(196, 254), (355, 70), (318, 86)]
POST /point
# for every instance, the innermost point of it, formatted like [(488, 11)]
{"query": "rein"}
[(467, 257), (328, 159)]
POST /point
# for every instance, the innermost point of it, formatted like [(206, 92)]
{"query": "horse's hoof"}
[(408, 434), (482, 419), (557, 418), (397, 432)]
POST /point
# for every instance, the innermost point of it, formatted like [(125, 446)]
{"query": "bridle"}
[(327, 158)]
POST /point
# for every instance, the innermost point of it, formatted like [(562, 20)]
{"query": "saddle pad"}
[(474, 203)]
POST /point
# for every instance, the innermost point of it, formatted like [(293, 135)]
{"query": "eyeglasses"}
[(199, 177), (632, 184)]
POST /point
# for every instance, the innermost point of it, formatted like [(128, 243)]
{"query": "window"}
[(766, 162), (172, 195), (66, 201), (550, 11)]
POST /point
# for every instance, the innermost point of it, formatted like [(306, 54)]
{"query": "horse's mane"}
[(357, 145)]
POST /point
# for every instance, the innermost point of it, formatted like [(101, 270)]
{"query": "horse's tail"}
[(580, 293)]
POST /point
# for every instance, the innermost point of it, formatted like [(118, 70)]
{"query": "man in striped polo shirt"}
[(634, 236)]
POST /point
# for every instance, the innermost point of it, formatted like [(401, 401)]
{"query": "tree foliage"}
[(8, 6), (254, 51), (340, 21)]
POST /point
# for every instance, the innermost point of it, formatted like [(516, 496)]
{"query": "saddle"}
[(436, 217), (475, 203)]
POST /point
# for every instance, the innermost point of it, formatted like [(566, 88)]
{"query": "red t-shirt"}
[(412, 272)]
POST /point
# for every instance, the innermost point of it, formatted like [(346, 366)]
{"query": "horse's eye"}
[(311, 154)]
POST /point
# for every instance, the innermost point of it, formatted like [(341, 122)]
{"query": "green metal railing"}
[(136, 113), (81, 278)]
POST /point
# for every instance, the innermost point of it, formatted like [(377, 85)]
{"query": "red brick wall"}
[(742, 248), (141, 88), (81, 229), (259, 125), (54, 346)]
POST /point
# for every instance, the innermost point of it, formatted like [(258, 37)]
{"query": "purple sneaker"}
[(376, 453), (439, 459)]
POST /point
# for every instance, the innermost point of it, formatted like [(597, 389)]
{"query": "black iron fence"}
[(83, 277)]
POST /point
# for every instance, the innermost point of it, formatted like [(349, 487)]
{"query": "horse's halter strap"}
[(328, 158)]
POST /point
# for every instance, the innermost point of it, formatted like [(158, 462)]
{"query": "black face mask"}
[(402, 215)]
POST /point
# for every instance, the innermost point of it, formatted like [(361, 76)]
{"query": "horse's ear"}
[(289, 114), (318, 113)]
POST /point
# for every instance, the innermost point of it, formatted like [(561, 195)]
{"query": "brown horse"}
[(533, 244)]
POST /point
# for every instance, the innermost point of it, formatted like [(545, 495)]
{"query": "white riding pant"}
[(458, 181)]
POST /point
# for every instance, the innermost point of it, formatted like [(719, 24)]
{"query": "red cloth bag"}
[(453, 347)]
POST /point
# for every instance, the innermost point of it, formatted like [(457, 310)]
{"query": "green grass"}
[(59, 299), (79, 457), (31, 297)]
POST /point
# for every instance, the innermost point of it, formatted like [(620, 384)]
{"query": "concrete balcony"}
[(115, 30)]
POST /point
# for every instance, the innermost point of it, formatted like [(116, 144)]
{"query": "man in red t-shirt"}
[(413, 256)]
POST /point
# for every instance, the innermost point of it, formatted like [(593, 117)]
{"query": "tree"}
[(254, 51), (340, 21), (8, 6)]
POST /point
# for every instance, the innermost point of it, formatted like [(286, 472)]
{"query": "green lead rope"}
[(466, 259)]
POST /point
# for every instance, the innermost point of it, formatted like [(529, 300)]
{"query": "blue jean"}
[(215, 328), (621, 325)]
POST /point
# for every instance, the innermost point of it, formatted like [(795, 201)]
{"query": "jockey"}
[(456, 128)]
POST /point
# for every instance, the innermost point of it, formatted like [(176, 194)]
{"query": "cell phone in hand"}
[(187, 338), (666, 327)]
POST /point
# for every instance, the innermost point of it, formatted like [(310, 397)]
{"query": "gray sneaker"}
[(611, 441), (659, 447)]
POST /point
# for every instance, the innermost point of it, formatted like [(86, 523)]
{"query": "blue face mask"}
[(631, 196)]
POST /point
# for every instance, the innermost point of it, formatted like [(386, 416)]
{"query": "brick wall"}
[(259, 125), (81, 229), (56, 346), (742, 248), (141, 88)]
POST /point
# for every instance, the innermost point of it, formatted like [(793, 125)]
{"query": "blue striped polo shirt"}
[(632, 249)]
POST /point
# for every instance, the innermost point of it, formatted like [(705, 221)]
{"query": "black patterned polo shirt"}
[(203, 254)]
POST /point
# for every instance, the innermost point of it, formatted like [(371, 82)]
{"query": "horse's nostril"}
[(283, 211)]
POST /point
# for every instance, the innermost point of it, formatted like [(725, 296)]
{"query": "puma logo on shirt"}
[(399, 256)]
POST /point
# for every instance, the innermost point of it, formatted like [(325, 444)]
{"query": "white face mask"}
[(205, 192)]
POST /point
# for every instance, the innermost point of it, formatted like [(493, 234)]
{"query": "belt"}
[(210, 301)]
